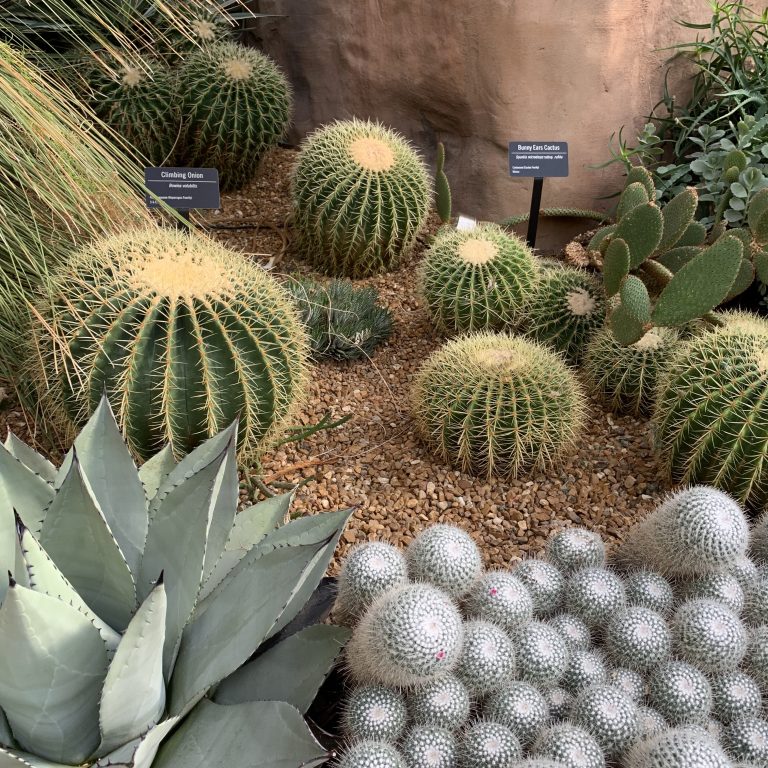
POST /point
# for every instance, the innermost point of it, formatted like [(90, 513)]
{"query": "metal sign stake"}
[(533, 218)]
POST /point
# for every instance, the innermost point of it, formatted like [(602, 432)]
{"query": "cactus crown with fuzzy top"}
[(542, 654), (425, 746), (519, 706), (594, 595), (545, 583), (585, 668), (609, 715), (680, 692), (502, 598), (570, 746), (574, 631), (638, 638), (485, 744), (444, 703), (718, 585), (746, 738), (575, 548), (735, 694), (487, 657), (371, 754), (374, 712), (648, 589), (684, 746)]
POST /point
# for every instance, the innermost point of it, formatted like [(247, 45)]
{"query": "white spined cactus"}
[(758, 547), (680, 692), (541, 653), (545, 583), (629, 681), (678, 748), (502, 598), (609, 715), (520, 707), (425, 746), (371, 754), (746, 738), (409, 636), (744, 570), (443, 703), (574, 631), (374, 712), (649, 589), (487, 657), (485, 744), (651, 723), (735, 694), (569, 745), (594, 595), (445, 556), (756, 602), (559, 701), (585, 668), (575, 548), (756, 658), (723, 586)]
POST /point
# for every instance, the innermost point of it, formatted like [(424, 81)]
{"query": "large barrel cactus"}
[(128, 597), (493, 404), (361, 196), (182, 334), (478, 279), (235, 104)]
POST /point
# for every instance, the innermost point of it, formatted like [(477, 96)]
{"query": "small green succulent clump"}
[(371, 754), (236, 105), (361, 197), (443, 703), (427, 745), (487, 657), (545, 583), (638, 638), (575, 548), (565, 310), (735, 694), (343, 322), (477, 279), (519, 706), (722, 586), (569, 745), (678, 748), (574, 631), (647, 589), (374, 712), (502, 598), (496, 405), (541, 653), (680, 692), (594, 595), (609, 715), (485, 744), (746, 738), (445, 556)]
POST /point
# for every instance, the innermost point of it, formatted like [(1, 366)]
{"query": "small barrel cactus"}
[(545, 583), (594, 595), (735, 694), (425, 745), (609, 715), (566, 308), (575, 548), (559, 702), (756, 602), (410, 635), (485, 744), (629, 681), (585, 668), (756, 657), (541, 653), (445, 556), (502, 598), (236, 105), (371, 754), (374, 712), (519, 706), (709, 635), (495, 405), (680, 692), (575, 632), (487, 657), (361, 196), (182, 334), (648, 589), (678, 748), (651, 723), (368, 571), (477, 279), (695, 531), (722, 586), (443, 703), (625, 378), (570, 745), (746, 738)]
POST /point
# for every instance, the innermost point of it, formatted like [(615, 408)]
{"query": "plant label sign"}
[(538, 159), (183, 188)]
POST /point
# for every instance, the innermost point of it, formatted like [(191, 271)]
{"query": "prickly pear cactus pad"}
[(496, 405), (236, 104), (361, 196), (477, 280), (182, 334)]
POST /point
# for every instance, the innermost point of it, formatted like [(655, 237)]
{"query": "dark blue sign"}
[(183, 188), (538, 158)]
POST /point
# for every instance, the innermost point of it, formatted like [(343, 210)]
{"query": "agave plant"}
[(134, 600)]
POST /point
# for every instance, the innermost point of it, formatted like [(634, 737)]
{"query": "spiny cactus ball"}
[(425, 746), (585, 668), (544, 582), (629, 681), (570, 745), (722, 586), (678, 748), (625, 378), (746, 738), (541, 653), (648, 589), (519, 706), (575, 548), (502, 598), (478, 279), (744, 570), (182, 334), (680, 692), (709, 635), (361, 196), (410, 635), (758, 547), (371, 754), (651, 723), (486, 744), (236, 105), (496, 405), (566, 308), (735, 694), (374, 712), (609, 715), (559, 702), (368, 571), (594, 595), (756, 657), (445, 556), (443, 703), (756, 602), (574, 631), (487, 657)]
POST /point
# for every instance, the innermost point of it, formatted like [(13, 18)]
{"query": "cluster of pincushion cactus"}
[(648, 659)]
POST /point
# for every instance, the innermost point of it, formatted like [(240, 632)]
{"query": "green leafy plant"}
[(343, 322), (135, 601)]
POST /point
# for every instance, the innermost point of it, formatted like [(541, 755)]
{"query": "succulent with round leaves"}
[(371, 754), (410, 635), (628, 680), (585, 668), (609, 715), (626, 377), (443, 703), (695, 531), (709, 635), (487, 657), (574, 631), (477, 279), (735, 694), (722, 586), (541, 654), (756, 658), (183, 335), (485, 744), (651, 723), (497, 405), (569, 745), (544, 582), (445, 556), (680, 692), (125, 608), (565, 310), (574, 548), (648, 589), (374, 712), (594, 595), (746, 738), (500, 597), (368, 570), (361, 196), (236, 104), (559, 702), (638, 638), (678, 748), (756, 602), (519, 706), (425, 745)]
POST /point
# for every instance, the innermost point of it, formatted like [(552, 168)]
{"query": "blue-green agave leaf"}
[(8, 543), (27, 492), (154, 471), (11, 758), (291, 671), (6, 737), (79, 540), (140, 752), (51, 671), (30, 458)]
